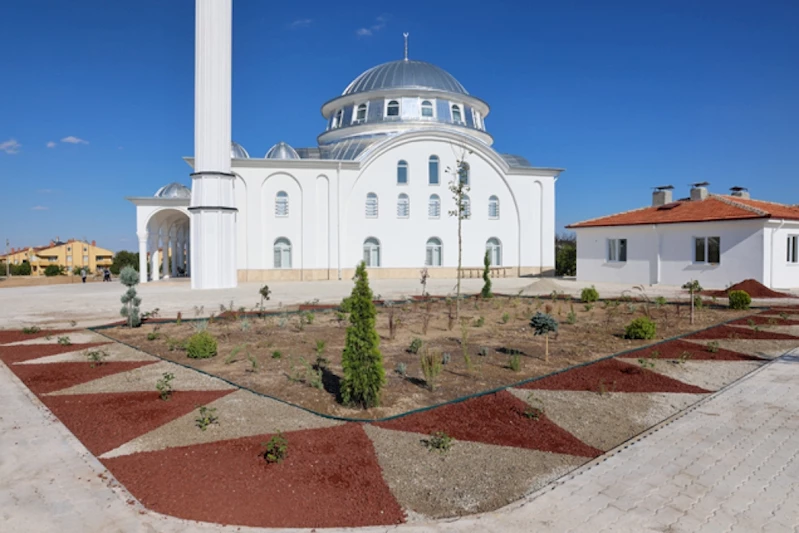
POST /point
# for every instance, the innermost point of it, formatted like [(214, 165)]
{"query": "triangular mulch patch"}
[(16, 335), (764, 320), (612, 375), (25, 352), (329, 478), (735, 333), (677, 348), (493, 419), (41, 379), (105, 421)]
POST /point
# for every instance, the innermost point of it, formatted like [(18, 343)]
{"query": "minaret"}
[(213, 210)]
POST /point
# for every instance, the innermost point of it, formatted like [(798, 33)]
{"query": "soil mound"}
[(543, 286), (754, 288)]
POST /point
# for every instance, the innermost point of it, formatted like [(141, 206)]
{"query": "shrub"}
[(486, 290), (277, 354), (402, 369), (660, 301), (515, 362), (206, 418), (565, 255), (431, 367), (130, 301), (544, 324), (276, 449), (739, 300), (438, 441), (96, 357), (698, 302), (571, 318), (416, 345), (53, 270), (589, 295), (484, 351), (164, 385), (31, 330), (22, 269), (640, 328), (364, 375), (64, 341), (446, 358), (201, 345), (505, 318), (480, 322)]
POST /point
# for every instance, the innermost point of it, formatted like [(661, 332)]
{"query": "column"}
[(154, 261), (173, 239), (165, 255), (143, 257), (188, 257), (180, 247)]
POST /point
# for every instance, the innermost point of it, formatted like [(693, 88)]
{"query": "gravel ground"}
[(608, 420), (767, 349), (710, 375), (469, 478), (82, 337), (788, 330), (143, 380), (241, 414), (115, 351)]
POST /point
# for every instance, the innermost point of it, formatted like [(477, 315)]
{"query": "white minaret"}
[(213, 210)]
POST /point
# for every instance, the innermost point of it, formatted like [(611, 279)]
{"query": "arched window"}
[(282, 253), (360, 113), (456, 114), (434, 206), (434, 252), (463, 173), (427, 108), (403, 206), (371, 205), (493, 207), (337, 118), (392, 109), (494, 249), (402, 173), (467, 206), (282, 204), (432, 170), (371, 252)]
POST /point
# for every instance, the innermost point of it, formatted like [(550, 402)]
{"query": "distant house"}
[(70, 255), (715, 239)]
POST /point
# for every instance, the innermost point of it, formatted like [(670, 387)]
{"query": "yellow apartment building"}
[(70, 254)]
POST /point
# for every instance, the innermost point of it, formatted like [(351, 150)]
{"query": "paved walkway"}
[(729, 465)]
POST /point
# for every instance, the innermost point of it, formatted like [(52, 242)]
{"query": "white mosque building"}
[(374, 188)]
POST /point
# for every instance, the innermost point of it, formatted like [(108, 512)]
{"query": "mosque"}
[(375, 188)]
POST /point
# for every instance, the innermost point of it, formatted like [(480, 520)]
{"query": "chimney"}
[(662, 195), (94, 243), (739, 192), (699, 191)]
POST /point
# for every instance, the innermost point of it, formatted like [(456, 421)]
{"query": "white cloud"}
[(74, 140), (363, 32), (39, 208), (10, 146), (51, 144), (380, 23), (300, 23)]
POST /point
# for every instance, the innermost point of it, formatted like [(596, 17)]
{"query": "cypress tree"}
[(364, 375), (486, 292)]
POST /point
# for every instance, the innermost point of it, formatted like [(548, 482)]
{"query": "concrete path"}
[(731, 464)]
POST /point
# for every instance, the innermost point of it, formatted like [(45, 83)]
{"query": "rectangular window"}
[(793, 248), (617, 250), (69, 259), (707, 250), (432, 168)]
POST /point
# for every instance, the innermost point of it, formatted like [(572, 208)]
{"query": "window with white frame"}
[(282, 204), (371, 252), (793, 248), (360, 113), (337, 118), (432, 170), (707, 250), (434, 252), (457, 117), (403, 206), (392, 108), (371, 205), (477, 119), (617, 250), (466, 202), (434, 206), (402, 173), (427, 108), (493, 207), (282, 251), (494, 249), (69, 259), (85, 259)]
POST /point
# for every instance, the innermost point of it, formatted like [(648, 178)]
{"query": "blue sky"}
[(624, 95)]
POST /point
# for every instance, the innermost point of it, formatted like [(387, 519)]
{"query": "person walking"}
[(83, 274)]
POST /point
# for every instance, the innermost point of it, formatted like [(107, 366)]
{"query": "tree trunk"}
[(692, 306), (460, 257), (546, 348)]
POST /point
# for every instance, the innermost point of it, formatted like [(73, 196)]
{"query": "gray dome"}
[(282, 151), (237, 151), (405, 74), (173, 190)]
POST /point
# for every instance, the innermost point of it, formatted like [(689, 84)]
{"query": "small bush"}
[(164, 385), (276, 449), (31, 330), (640, 328), (480, 322), (739, 300), (505, 318), (698, 302), (515, 362), (571, 318), (206, 418), (277, 354), (446, 358), (402, 369), (151, 336), (431, 367), (53, 270), (535, 409), (713, 346), (589, 295), (438, 441), (64, 341), (484, 351), (96, 357), (416, 345), (660, 301), (201, 345)]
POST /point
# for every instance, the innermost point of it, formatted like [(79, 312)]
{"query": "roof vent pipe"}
[(699, 191), (739, 192), (662, 195)]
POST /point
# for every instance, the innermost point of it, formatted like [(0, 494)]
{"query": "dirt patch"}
[(760, 320), (764, 349), (754, 288), (41, 379), (678, 348), (8, 336), (469, 478), (493, 419), (17, 354), (103, 422), (317, 485), (710, 375), (612, 375), (734, 332)]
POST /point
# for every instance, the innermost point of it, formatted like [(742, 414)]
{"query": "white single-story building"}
[(718, 240)]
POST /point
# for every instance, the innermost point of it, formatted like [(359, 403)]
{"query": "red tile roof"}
[(715, 207)]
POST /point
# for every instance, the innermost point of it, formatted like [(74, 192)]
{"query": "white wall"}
[(780, 273)]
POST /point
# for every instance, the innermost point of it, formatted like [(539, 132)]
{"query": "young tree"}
[(693, 287), (130, 301), (486, 292), (364, 375), (544, 324), (459, 186)]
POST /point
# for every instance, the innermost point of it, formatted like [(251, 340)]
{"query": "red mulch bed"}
[(330, 478), (760, 320), (616, 376), (755, 289), (778, 310), (26, 352), (50, 377), (733, 332), (494, 419), (105, 421), (674, 350), (16, 335)]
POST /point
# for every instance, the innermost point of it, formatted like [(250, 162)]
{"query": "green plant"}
[(772, 321), (233, 353), (301, 322), (430, 362), (277, 354), (130, 301), (244, 324), (446, 358), (153, 335), (309, 318), (485, 292), (640, 328), (589, 295), (173, 344), (64, 341), (698, 302), (484, 351), (646, 363), (341, 318), (265, 293), (254, 364), (200, 325), (480, 322), (31, 330), (535, 409), (207, 416), (588, 307), (179, 319), (416, 345), (438, 441), (712, 346), (544, 324), (660, 301), (402, 369), (96, 357), (164, 385), (515, 362), (684, 357), (277, 449), (566, 255), (321, 360), (693, 287), (739, 299), (505, 318), (784, 315), (201, 345), (571, 318), (54, 270)]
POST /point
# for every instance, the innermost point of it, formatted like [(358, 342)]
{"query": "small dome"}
[(173, 190), (237, 151), (282, 151), (405, 74)]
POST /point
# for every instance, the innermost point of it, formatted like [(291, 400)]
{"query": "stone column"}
[(154, 261), (181, 237), (165, 254), (143, 257), (173, 239)]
